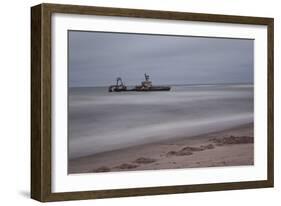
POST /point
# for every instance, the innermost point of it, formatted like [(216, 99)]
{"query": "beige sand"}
[(230, 147)]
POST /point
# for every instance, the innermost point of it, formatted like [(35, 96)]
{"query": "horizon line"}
[(228, 83)]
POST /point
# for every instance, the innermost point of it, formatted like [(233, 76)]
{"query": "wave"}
[(114, 140), (100, 121)]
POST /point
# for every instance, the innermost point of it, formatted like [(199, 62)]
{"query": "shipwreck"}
[(146, 86)]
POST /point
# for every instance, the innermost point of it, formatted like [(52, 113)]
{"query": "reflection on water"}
[(101, 121)]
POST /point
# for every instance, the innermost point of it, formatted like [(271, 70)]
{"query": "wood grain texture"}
[(270, 102), (41, 101), (36, 101)]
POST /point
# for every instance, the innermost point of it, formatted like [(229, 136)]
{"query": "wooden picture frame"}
[(41, 98)]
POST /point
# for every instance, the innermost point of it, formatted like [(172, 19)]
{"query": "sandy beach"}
[(231, 147)]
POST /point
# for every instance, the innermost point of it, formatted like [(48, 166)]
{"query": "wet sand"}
[(231, 147)]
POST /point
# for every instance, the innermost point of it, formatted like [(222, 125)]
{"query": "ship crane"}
[(118, 87)]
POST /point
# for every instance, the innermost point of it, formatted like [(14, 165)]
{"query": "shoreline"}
[(229, 147)]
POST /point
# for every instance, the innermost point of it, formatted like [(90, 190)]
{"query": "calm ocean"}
[(100, 121)]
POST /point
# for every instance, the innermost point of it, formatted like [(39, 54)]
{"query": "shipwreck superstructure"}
[(145, 86)]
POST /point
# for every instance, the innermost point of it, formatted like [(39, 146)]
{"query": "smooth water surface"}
[(100, 121)]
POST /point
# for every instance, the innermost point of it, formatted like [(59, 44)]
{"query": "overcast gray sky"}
[(97, 58)]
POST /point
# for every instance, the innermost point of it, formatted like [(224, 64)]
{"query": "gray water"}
[(100, 121)]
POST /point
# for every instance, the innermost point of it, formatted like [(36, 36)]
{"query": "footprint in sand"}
[(126, 166), (232, 140), (102, 169), (209, 146), (145, 160), (189, 150), (179, 153)]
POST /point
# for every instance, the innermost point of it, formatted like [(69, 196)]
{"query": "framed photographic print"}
[(130, 102)]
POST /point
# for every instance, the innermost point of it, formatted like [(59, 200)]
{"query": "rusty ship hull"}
[(146, 86)]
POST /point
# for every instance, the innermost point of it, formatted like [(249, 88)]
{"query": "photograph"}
[(155, 101), (134, 102)]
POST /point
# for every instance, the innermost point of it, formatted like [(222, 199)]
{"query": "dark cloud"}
[(97, 58)]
